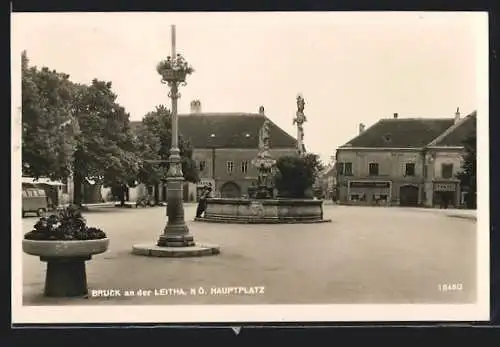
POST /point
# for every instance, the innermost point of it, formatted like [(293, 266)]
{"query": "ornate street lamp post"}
[(176, 240), (174, 71)]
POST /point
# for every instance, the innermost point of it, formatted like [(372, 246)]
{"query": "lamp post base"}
[(200, 250), (176, 233), (169, 240)]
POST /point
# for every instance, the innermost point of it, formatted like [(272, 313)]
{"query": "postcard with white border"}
[(250, 167)]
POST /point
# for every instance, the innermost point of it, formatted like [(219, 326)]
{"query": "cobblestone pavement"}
[(366, 255)]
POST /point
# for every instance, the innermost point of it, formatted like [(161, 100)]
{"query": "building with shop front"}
[(224, 146), (443, 159), (405, 162)]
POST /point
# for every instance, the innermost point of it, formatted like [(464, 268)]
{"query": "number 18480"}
[(450, 287)]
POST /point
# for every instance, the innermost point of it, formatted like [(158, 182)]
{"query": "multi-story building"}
[(443, 159), (404, 161), (225, 144)]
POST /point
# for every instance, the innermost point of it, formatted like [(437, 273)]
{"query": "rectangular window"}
[(340, 169), (229, 167), (348, 169), (244, 166), (202, 165), (373, 169), (354, 197), (410, 169), (447, 170)]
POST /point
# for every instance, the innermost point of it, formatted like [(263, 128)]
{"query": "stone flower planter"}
[(66, 275), (174, 69), (174, 75)]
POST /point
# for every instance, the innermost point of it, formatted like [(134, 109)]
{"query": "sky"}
[(350, 67)]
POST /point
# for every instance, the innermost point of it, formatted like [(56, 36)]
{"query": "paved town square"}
[(366, 255)]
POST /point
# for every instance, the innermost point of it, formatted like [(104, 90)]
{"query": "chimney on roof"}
[(395, 115), (261, 110), (196, 106), (361, 127), (457, 115)]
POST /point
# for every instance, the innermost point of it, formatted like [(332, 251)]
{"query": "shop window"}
[(354, 197)]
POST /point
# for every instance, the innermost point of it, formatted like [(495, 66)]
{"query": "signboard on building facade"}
[(370, 184), (445, 187)]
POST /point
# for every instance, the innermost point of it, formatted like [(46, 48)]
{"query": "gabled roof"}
[(229, 130), (459, 133), (401, 133)]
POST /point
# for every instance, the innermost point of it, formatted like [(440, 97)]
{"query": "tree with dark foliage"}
[(74, 128), (154, 137), (49, 132), (296, 175), (467, 176), (106, 151)]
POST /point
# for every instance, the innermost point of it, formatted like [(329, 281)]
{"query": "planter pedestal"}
[(65, 277)]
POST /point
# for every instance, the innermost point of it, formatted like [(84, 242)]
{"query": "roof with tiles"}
[(401, 133), (460, 133), (229, 130)]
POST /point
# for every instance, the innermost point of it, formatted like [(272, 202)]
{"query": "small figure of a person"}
[(50, 205), (202, 203)]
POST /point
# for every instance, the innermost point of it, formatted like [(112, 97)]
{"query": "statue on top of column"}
[(300, 116), (300, 119)]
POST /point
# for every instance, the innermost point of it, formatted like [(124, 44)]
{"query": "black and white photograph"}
[(250, 167)]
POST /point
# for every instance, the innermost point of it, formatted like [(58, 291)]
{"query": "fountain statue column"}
[(300, 119), (264, 163)]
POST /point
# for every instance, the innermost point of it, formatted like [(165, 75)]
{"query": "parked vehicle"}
[(34, 200)]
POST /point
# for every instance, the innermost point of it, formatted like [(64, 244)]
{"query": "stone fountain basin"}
[(263, 211)]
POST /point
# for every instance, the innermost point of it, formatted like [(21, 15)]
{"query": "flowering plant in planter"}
[(174, 69), (65, 242), (68, 225)]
